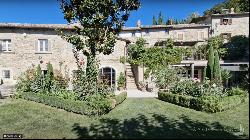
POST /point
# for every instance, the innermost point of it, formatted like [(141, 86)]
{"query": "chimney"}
[(138, 24), (232, 10)]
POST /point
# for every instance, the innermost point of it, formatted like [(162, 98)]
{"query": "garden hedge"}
[(76, 106), (208, 104), (121, 97)]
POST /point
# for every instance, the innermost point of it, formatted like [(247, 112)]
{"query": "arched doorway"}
[(108, 74)]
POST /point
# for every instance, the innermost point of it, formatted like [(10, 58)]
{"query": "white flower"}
[(214, 85)]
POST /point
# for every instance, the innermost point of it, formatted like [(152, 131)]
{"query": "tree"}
[(167, 76), (238, 5), (237, 48), (244, 5), (99, 23), (204, 74), (169, 21), (160, 19), (210, 63), (190, 17), (48, 78), (216, 68), (154, 21), (137, 51)]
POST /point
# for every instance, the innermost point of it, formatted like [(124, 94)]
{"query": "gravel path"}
[(139, 94)]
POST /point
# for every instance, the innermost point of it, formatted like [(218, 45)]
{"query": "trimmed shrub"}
[(181, 100), (99, 107), (206, 103), (80, 107), (236, 91), (120, 98)]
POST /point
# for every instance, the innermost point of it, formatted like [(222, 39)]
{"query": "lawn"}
[(134, 118)]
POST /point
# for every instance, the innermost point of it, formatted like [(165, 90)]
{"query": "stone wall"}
[(24, 44), (190, 34), (239, 26)]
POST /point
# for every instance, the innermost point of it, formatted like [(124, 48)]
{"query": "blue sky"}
[(48, 11)]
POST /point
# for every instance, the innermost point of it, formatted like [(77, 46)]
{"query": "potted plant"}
[(121, 81), (142, 86)]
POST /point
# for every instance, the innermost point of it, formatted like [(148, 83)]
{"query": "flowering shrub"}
[(33, 80), (194, 88)]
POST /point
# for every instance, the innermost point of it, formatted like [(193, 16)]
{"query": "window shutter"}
[(46, 45), (221, 21), (230, 21), (4, 47), (9, 47)]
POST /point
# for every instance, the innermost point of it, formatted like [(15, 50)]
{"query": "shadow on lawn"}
[(157, 126)]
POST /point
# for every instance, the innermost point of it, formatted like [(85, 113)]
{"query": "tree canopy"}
[(237, 48), (161, 55), (98, 23), (238, 5)]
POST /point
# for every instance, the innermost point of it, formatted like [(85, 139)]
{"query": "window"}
[(167, 32), (180, 36), (133, 33), (5, 45), (108, 74), (226, 21), (43, 45), (6, 74), (196, 74), (201, 35)]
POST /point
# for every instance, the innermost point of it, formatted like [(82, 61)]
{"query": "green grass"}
[(134, 118)]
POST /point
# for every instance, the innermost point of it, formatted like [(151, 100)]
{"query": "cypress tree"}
[(37, 85), (216, 69), (210, 63), (154, 21), (160, 19)]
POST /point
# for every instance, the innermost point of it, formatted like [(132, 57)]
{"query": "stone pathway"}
[(134, 93)]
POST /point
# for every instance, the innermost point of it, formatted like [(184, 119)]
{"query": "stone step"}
[(131, 84)]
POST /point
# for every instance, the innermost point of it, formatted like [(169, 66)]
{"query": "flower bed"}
[(76, 106), (206, 103)]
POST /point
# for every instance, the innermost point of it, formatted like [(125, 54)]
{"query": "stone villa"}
[(24, 46)]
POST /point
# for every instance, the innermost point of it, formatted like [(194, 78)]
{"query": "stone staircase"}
[(6, 91), (130, 78)]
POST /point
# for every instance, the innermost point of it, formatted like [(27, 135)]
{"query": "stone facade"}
[(234, 24), (24, 52), (24, 44)]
